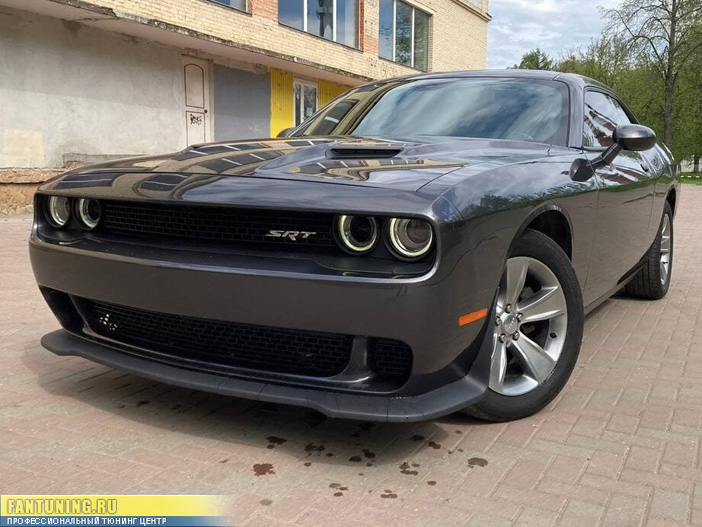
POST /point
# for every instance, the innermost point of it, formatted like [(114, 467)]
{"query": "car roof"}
[(579, 81)]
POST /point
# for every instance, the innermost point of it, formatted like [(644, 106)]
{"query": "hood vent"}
[(363, 152)]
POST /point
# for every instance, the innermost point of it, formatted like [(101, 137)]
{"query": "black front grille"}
[(222, 225), (231, 344), (221, 343)]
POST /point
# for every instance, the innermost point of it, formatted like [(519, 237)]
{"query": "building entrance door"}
[(196, 75)]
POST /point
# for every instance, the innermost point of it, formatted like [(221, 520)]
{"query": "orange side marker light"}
[(472, 317)]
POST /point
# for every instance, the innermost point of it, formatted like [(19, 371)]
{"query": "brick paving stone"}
[(619, 447), (669, 505), (645, 459), (525, 474), (534, 517), (624, 511), (604, 463), (615, 485), (565, 470), (684, 454), (579, 513)]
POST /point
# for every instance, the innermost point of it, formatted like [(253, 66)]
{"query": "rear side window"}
[(603, 114)]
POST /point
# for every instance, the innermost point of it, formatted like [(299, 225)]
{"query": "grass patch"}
[(691, 180)]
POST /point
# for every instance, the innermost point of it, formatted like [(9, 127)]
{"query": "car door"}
[(625, 198)]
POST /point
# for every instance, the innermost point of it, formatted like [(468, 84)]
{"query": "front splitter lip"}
[(431, 405)]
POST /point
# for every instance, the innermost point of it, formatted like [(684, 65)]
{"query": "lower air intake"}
[(231, 344)]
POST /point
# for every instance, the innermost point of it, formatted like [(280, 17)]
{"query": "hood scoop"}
[(363, 151)]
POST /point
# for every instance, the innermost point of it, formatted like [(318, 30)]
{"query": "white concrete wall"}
[(69, 89), (242, 104)]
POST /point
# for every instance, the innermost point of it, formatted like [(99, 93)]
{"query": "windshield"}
[(516, 109)]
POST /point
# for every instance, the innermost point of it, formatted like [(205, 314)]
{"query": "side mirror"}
[(635, 137), (631, 137), (286, 132)]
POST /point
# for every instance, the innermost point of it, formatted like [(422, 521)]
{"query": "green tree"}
[(535, 60), (665, 34), (609, 60), (605, 59), (688, 113)]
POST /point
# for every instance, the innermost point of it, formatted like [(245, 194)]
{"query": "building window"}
[(236, 4), (304, 100), (404, 34), (335, 20)]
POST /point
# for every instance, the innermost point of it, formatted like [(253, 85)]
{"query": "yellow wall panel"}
[(282, 115), (328, 91)]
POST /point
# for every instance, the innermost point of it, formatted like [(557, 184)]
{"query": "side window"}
[(602, 116)]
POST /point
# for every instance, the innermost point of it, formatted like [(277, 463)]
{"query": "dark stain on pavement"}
[(339, 488), (477, 462), (388, 494), (405, 469), (434, 445), (311, 447), (266, 502), (355, 459), (263, 469), (274, 441)]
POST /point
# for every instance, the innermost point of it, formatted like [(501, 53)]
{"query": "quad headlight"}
[(358, 234), (407, 238), (410, 237), (58, 211), (89, 212)]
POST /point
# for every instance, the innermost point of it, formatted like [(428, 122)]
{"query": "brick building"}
[(87, 80)]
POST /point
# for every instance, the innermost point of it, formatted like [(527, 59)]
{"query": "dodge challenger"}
[(420, 246)]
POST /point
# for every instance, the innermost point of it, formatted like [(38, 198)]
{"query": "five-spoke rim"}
[(530, 327), (666, 248)]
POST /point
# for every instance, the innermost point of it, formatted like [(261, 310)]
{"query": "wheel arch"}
[(672, 199), (552, 221)]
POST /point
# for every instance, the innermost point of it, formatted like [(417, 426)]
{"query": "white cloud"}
[(554, 26)]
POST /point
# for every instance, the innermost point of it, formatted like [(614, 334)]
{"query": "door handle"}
[(645, 167)]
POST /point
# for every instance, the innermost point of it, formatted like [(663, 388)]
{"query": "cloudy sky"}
[(552, 25)]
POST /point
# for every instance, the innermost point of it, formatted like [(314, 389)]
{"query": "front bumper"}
[(450, 363), (436, 403)]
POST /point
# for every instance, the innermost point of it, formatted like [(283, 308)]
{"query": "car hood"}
[(406, 164)]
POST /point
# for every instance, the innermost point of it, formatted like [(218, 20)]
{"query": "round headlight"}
[(89, 212), (58, 211), (358, 234), (410, 238)]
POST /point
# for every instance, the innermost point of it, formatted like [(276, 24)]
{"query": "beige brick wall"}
[(459, 34)]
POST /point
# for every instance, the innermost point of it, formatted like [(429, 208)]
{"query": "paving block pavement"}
[(619, 447)]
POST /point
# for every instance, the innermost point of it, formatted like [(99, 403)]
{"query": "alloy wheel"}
[(530, 327), (666, 248)]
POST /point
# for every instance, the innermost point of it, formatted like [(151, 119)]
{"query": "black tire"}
[(647, 283), (497, 407)]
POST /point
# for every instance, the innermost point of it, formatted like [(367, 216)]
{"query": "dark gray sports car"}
[(419, 246)]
